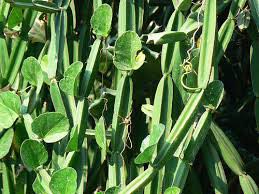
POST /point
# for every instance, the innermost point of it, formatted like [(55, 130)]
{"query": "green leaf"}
[(112, 190), (166, 37), (5, 142), (10, 105), (33, 154), (32, 72), (149, 144), (243, 19), (103, 106), (70, 83), (172, 190), (15, 17), (192, 23), (51, 126), (101, 20), (64, 181), (126, 48), (100, 133), (213, 95)]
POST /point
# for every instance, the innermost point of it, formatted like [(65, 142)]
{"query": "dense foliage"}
[(129, 96)]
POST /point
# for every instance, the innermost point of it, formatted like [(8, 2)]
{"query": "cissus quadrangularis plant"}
[(128, 96)]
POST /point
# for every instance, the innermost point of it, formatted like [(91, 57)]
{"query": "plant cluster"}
[(128, 96)]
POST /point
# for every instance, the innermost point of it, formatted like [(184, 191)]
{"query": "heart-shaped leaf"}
[(10, 105), (101, 20), (6, 142), (70, 83), (126, 48), (64, 181), (51, 126), (149, 144), (32, 72), (33, 153)]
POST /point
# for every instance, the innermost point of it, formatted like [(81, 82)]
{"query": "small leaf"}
[(33, 154), (32, 72), (101, 20), (243, 19), (5, 142), (213, 95), (64, 181), (145, 143), (173, 190), (126, 48), (10, 105), (103, 106), (15, 17), (112, 190), (191, 24), (51, 126), (100, 134), (165, 37), (70, 83), (149, 144)]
